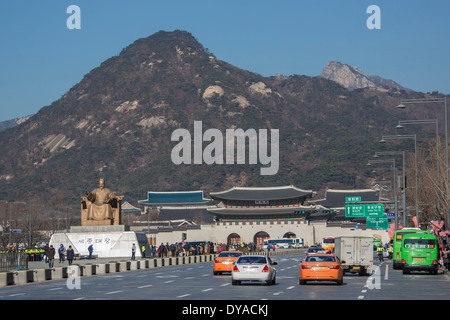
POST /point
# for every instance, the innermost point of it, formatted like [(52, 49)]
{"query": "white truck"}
[(355, 253)]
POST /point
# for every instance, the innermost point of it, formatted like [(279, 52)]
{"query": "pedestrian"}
[(46, 253), (380, 253), (90, 250), (51, 256), (61, 252), (161, 250), (70, 255), (153, 251), (143, 251), (133, 252)]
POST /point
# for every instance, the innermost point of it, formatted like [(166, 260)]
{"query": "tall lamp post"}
[(402, 153), (401, 125), (408, 136), (432, 100), (371, 162)]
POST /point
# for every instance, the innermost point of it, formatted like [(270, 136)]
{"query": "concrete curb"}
[(22, 277)]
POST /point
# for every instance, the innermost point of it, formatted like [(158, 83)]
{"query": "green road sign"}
[(355, 211), (352, 199), (364, 210), (375, 210), (377, 223)]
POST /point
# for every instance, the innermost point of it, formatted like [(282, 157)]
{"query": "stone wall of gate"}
[(248, 231)]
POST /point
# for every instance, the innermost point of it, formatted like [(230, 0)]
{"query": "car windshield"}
[(230, 254), (320, 259), (252, 260)]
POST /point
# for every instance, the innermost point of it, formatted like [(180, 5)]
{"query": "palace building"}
[(240, 203), (249, 215), (174, 199)]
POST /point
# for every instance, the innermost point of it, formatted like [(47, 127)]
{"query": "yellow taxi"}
[(321, 267), (225, 261)]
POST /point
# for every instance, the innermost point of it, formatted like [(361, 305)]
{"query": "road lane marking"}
[(169, 281), (361, 297), (148, 285), (291, 287), (184, 295), (16, 294), (209, 289), (53, 289), (114, 292)]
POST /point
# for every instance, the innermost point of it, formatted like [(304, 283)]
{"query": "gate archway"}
[(289, 235), (233, 239), (259, 237)]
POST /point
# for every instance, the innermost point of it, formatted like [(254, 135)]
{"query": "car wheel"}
[(271, 282), (235, 282), (340, 282), (301, 282)]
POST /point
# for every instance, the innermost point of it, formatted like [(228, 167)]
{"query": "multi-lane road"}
[(197, 282)]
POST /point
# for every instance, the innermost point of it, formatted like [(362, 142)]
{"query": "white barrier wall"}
[(106, 244)]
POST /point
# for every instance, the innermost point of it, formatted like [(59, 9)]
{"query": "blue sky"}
[(41, 59)]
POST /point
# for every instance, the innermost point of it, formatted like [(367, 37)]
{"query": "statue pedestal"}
[(101, 228), (108, 241)]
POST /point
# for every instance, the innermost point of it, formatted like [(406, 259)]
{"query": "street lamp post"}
[(402, 153), (408, 136), (371, 162), (401, 125), (432, 100)]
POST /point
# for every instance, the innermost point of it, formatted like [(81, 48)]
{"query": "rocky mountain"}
[(353, 78), (12, 123), (117, 123)]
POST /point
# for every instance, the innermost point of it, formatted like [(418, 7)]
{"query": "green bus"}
[(420, 253), (397, 245)]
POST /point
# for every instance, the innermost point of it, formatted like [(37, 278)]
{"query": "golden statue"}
[(101, 207)]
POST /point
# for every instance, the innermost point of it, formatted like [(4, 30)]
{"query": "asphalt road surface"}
[(197, 282)]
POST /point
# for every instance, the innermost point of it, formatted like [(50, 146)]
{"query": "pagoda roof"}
[(336, 198), (174, 198), (127, 208), (261, 193), (173, 214)]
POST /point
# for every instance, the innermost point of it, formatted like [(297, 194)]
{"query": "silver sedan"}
[(254, 269)]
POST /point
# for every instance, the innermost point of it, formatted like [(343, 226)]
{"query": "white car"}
[(253, 269)]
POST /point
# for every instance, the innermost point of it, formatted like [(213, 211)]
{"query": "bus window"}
[(419, 244)]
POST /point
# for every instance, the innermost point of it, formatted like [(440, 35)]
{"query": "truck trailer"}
[(355, 253)]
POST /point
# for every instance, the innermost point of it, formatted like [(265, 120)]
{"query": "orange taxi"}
[(225, 261), (321, 267)]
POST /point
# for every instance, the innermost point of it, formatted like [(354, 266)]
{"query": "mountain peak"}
[(354, 78)]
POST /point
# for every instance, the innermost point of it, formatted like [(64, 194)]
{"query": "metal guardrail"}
[(13, 261)]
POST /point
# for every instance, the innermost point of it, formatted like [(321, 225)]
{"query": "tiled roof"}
[(262, 193), (175, 198), (336, 198)]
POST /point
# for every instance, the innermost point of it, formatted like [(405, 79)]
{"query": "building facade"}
[(251, 215)]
